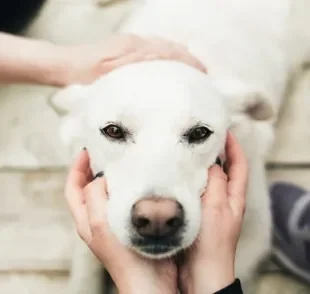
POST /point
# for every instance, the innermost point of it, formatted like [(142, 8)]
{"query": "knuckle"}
[(217, 208), (219, 175), (242, 207), (223, 176), (218, 212), (96, 226)]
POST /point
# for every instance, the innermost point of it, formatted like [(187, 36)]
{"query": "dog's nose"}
[(157, 217)]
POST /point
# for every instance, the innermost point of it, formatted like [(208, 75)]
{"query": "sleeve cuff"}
[(234, 288)]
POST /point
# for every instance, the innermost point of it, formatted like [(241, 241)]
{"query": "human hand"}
[(209, 265), (85, 63), (87, 199)]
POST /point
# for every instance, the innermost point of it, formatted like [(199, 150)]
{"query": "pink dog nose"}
[(157, 217)]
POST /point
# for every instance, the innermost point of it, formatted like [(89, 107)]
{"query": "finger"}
[(134, 57), (237, 170), (187, 57), (79, 169), (96, 202), (76, 181), (216, 193), (168, 44), (237, 163), (153, 53), (90, 175), (121, 61), (174, 51), (193, 62)]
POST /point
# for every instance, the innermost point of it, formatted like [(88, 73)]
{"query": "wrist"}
[(213, 276), (56, 66), (142, 285), (128, 278), (144, 280)]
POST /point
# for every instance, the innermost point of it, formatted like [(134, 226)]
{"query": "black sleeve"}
[(234, 288), (16, 15)]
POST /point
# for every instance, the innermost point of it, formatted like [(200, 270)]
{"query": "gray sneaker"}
[(291, 228)]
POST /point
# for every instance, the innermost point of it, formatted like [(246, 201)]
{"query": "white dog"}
[(155, 127)]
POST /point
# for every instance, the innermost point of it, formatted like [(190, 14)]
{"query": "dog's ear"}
[(248, 99), (66, 103), (68, 99)]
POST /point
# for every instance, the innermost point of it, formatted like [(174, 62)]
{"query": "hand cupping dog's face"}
[(153, 128)]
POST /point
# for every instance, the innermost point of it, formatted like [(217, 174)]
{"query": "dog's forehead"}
[(156, 91)]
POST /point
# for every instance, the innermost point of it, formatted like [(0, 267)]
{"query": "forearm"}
[(24, 60)]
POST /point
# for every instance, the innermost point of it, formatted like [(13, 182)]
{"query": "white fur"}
[(248, 50), (154, 161)]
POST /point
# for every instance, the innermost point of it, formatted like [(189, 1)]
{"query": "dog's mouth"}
[(156, 247)]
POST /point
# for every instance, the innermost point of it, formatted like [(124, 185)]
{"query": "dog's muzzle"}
[(157, 225)]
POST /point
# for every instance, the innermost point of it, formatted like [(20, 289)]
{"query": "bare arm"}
[(25, 60)]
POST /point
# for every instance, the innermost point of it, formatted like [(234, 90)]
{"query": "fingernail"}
[(99, 175), (218, 161)]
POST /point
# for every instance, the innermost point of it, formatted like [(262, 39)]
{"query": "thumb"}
[(216, 192)]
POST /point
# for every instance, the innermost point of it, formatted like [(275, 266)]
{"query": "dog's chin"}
[(157, 252)]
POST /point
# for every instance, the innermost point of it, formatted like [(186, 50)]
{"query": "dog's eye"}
[(114, 132), (198, 135)]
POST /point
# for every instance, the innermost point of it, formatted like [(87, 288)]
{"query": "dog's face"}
[(154, 128)]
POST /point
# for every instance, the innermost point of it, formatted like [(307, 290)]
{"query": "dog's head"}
[(155, 128)]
